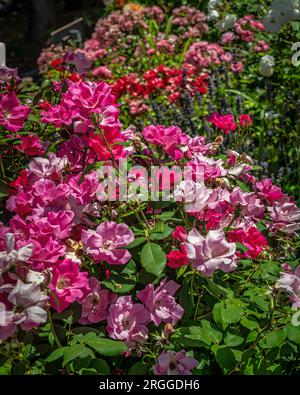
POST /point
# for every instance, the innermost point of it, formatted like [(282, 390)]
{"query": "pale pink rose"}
[(96, 303), (27, 308), (290, 281), (174, 363), (127, 321), (285, 216), (210, 253), (161, 302), (12, 256)]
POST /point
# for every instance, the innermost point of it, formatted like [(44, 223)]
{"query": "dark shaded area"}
[(25, 26)]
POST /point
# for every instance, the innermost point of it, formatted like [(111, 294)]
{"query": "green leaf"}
[(217, 290), (106, 347), (274, 339), (120, 283), (166, 215), (293, 333), (199, 335), (168, 26), (226, 358), (73, 352), (233, 340), (233, 312), (271, 267), (136, 242), (153, 258), (251, 337), (101, 366), (249, 323), (217, 313), (185, 300), (5, 369), (138, 369), (161, 231)]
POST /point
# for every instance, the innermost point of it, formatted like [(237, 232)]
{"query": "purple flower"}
[(96, 303), (174, 363), (161, 303), (78, 60), (7, 74), (210, 253), (107, 241), (127, 321)]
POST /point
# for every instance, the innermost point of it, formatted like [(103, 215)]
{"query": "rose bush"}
[(183, 262)]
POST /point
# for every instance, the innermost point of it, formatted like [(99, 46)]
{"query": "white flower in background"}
[(266, 65), (213, 13), (227, 23)]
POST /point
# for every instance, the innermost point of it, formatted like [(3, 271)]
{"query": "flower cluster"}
[(79, 262)]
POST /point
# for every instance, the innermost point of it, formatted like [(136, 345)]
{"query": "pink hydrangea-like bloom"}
[(227, 38), (210, 253), (102, 72), (127, 321), (25, 306), (107, 241), (224, 122), (203, 54), (236, 67), (96, 303), (170, 138), (161, 302), (68, 284), (261, 46), (290, 281), (12, 113), (174, 363)]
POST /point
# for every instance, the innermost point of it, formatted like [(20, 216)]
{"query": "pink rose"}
[(107, 241)]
